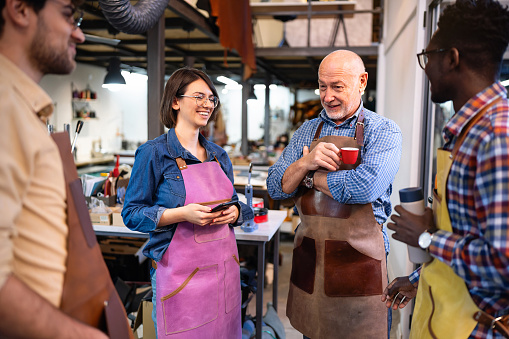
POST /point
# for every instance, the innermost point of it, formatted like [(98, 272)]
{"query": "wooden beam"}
[(312, 51), (190, 14)]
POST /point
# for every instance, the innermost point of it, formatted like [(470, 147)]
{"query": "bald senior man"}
[(339, 268)]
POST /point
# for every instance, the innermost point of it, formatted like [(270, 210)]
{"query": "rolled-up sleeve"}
[(291, 153)]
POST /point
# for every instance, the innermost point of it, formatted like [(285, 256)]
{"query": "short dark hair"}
[(177, 86), (36, 5), (479, 29)]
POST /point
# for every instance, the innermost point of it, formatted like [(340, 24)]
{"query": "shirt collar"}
[(176, 150), (29, 90), (473, 106), (348, 122)]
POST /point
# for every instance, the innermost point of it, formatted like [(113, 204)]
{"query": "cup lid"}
[(411, 194)]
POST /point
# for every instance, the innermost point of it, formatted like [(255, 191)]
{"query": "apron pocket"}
[(210, 233), (304, 265), (193, 303), (349, 273), (232, 293)]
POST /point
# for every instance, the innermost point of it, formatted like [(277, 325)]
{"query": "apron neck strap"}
[(318, 131), (469, 125), (359, 129), (181, 163)]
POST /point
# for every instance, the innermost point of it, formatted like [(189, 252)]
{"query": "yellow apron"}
[(442, 299), (444, 308)]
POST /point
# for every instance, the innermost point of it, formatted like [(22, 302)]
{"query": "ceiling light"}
[(114, 79), (230, 87), (227, 81)]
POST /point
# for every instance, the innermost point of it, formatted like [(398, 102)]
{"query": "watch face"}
[(425, 240), (308, 182)]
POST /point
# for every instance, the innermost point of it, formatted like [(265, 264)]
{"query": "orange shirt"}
[(33, 228)]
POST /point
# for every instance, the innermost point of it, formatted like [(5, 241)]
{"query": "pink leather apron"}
[(198, 278), (339, 269)]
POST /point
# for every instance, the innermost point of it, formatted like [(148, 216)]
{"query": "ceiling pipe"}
[(131, 19)]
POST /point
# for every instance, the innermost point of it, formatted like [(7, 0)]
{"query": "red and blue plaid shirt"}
[(478, 204)]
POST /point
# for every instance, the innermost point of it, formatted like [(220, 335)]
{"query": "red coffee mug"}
[(348, 155)]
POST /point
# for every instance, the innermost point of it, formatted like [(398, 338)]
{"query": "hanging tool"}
[(79, 125), (67, 128)]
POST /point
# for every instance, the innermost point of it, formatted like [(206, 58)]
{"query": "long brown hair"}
[(177, 86)]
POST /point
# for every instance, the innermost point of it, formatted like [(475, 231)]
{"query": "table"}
[(265, 232)]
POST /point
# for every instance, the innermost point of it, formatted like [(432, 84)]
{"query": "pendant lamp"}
[(252, 95), (114, 80)]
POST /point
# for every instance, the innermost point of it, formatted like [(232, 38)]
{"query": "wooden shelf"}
[(83, 100), (85, 118)]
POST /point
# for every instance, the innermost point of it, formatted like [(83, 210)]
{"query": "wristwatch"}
[(308, 180), (425, 239)]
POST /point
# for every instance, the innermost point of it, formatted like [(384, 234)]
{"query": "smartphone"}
[(223, 206)]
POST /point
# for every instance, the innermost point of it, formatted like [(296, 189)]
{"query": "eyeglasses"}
[(202, 99), (73, 15), (77, 18), (423, 56)]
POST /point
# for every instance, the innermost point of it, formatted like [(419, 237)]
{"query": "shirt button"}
[(337, 127)]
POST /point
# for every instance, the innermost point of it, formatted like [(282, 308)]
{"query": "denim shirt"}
[(156, 184)]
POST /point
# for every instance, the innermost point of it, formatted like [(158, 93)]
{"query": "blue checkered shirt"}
[(370, 182)]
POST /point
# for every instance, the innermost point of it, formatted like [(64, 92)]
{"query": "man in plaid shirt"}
[(462, 62)]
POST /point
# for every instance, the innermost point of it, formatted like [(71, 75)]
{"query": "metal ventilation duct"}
[(131, 19)]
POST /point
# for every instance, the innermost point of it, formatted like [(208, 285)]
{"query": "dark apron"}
[(198, 277), (339, 267), (88, 293)]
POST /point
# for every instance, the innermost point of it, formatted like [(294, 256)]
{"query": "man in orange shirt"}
[(36, 38)]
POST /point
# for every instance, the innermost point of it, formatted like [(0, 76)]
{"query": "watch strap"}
[(310, 174)]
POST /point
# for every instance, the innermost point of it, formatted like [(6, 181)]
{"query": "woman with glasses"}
[(176, 180)]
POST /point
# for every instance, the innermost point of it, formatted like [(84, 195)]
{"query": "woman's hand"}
[(227, 216), (198, 214)]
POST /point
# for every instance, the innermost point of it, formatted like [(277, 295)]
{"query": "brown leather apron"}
[(88, 293), (339, 266)]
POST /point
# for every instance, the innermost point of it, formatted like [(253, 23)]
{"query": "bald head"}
[(344, 60), (341, 79)]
